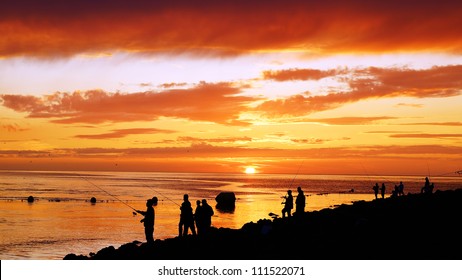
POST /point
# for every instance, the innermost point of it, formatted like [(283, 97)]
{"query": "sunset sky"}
[(316, 87)]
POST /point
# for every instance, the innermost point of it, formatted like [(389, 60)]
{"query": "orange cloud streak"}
[(218, 103), (369, 83), (63, 28), (119, 133)]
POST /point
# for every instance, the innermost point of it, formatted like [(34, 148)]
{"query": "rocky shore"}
[(414, 226)]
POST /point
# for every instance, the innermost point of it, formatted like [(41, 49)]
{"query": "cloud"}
[(298, 74), (214, 140), (203, 150), (119, 133), (373, 82), (349, 120), (64, 28), (409, 105), (12, 127), (219, 103), (436, 123), (427, 135)]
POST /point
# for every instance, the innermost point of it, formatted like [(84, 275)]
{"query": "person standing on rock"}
[(300, 202), (382, 190), (288, 204), (376, 190), (148, 220), (207, 216), (186, 217)]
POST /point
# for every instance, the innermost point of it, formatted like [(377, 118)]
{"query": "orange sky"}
[(364, 87)]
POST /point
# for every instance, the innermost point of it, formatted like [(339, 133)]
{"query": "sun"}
[(250, 170)]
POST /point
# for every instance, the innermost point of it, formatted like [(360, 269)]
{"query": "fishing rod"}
[(298, 171), (146, 185), (93, 184)]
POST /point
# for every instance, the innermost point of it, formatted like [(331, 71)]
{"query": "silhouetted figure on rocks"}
[(376, 190), (401, 189), (382, 190), (288, 204), (300, 202), (427, 188), (186, 217), (148, 221), (199, 217), (395, 191), (207, 216)]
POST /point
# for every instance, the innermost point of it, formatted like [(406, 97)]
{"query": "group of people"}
[(288, 202), (399, 189), (200, 219)]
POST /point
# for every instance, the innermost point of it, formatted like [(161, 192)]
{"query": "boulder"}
[(226, 201)]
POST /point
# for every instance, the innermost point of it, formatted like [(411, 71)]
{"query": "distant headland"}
[(413, 226)]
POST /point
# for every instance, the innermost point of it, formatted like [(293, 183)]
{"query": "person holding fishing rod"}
[(148, 220), (288, 204)]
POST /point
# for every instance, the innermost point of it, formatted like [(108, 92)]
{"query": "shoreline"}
[(414, 226)]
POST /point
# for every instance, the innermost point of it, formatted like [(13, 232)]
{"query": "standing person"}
[(288, 204), (376, 190), (382, 190), (199, 217), (148, 221), (401, 188), (300, 202), (186, 217), (207, 216), (426, 187)]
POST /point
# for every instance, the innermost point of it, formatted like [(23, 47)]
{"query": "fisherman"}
[(426, 187), (401, 188), (207, 216), (186, 217), (148, 221), (376, 190), (199, 217), (300, 202), (288, 204)]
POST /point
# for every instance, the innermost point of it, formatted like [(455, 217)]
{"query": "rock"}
[(226, 201)]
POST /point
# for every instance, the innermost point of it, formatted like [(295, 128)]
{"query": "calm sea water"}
[(62, 220)]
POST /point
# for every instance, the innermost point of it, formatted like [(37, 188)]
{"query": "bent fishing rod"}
[(146, 185), (118, 199), (298, 171)]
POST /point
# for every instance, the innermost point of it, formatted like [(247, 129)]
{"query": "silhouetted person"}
[(426, 187), (401, 188), (148, 221), (394, 193), (382, 190), (207, 216), (288, 204), (186, 218), (300, 202), (199, 217), (376, 190)]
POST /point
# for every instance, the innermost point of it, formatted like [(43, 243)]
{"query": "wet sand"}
[(414, 227)]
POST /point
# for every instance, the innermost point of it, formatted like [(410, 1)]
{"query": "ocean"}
[(62, 220)]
